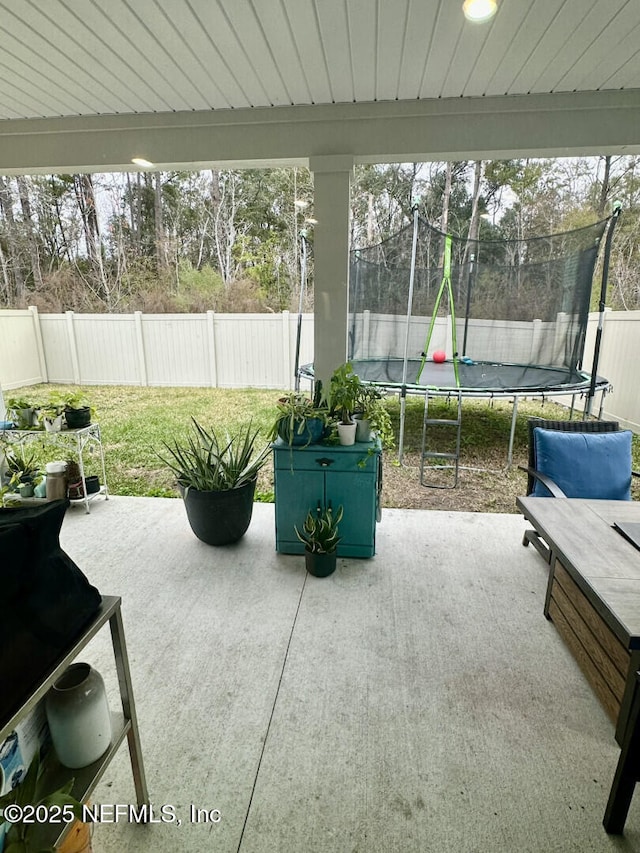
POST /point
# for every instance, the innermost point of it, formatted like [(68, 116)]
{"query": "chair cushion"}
[(584, 465)]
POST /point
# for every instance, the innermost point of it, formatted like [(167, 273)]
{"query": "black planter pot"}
[(320, 565), (78, 418), (220, 518)]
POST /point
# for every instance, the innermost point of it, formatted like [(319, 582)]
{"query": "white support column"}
[(332, 177)]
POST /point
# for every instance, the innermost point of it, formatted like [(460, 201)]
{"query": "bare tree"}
[(27, 216), (12, 237)]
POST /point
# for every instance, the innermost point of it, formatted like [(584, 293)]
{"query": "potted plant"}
[(320, 537), (21, 411), (343, 392), (24, 472), (78, 412), (298, 421), (373, 416), (24, 836), (50, 413), (217, 477)]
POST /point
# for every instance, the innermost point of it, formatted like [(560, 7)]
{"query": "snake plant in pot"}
[(216, 474), (320, 537)]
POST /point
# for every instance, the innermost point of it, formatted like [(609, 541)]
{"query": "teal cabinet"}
[(325, 475)]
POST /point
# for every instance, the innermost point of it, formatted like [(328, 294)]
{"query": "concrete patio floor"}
[(417, 701)]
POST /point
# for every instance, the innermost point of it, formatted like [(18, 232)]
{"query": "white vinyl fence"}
[(240, 350), (218, 350)]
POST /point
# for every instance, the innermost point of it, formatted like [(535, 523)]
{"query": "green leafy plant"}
[(370, 404), (207, 461), (293, 412), (20, 411), (76, 399), (32, 792), (52, 407), (343, 392), (320, 530), (23, 468)]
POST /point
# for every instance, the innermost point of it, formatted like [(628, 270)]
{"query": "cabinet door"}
[(296, 493), (356, 493)]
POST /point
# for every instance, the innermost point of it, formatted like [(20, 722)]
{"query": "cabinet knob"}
[(324, 462)]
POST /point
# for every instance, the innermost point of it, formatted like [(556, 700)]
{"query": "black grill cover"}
[(46, 600)]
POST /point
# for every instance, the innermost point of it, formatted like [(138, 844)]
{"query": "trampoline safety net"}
[(520, 308)]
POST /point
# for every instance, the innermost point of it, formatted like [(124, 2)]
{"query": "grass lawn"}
[(135, 420)]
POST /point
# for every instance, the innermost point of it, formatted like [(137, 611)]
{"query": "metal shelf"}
[(78, 440), (124, 723)]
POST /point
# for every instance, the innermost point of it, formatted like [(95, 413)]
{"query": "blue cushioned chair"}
[(577, 459)]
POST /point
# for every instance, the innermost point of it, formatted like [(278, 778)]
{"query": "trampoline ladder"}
[(435, 462)]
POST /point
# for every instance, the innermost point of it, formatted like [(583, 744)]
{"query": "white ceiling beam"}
[(545, 125)]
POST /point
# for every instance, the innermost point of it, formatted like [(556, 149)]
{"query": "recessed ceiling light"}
[(140, 161), (479, 11)]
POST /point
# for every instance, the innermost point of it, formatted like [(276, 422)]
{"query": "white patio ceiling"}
[(91, 83)]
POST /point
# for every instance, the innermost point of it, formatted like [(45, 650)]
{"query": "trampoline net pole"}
[(303, 277), (601, 306), (412, 275), (403, 402)]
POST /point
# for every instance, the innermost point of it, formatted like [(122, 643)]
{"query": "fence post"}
[(211, 339), (73, 347), (286, 349), (44, 375), (142, 361)]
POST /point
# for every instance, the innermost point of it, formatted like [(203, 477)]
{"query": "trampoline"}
[(510, 315)]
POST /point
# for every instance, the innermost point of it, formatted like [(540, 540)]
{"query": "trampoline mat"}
[(479, 377)]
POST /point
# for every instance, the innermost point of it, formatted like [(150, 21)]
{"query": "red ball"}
[(439, 356)]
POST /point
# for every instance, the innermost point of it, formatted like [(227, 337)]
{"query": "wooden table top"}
[(601, 561)]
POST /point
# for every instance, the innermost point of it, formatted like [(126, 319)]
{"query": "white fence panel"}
[(20, 356), (57, 351), (105, 347), (176, 349), (619, 360), (258, 350), (252, 350)]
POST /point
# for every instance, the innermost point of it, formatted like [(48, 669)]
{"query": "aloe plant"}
[(320, 530), (209, 462)]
